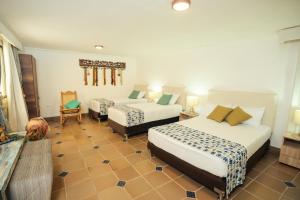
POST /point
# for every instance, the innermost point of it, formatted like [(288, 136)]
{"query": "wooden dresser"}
[(290, 150), (29, 84)]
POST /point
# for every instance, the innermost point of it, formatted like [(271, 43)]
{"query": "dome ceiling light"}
[(181, 5)]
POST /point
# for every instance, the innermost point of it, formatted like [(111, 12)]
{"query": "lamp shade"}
[(297, 117), (154, 95), (192, 101)]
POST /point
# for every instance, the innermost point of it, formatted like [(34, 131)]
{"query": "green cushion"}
[(165, 99), (134, 94), (72, 104)]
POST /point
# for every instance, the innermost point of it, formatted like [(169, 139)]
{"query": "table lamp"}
[(297, 120), (192, 101), (154, 95)]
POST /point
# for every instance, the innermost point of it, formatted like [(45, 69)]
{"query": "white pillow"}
[(174, 99), (141, 95), (206, 109), (256, 113)]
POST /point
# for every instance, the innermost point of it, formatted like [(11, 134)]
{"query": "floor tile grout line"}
[(143, 142), (144, 178), (286, 189)]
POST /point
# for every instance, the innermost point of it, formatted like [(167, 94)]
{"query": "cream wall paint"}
[(244, 65), (59, 70)]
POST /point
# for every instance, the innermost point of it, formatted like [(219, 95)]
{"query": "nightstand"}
[(290, 150), (187, 115)]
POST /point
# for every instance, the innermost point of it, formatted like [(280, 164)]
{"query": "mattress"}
[(249, 136), (152, 112), (95, 105)]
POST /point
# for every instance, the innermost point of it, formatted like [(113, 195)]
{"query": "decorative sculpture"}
[(96, 65)]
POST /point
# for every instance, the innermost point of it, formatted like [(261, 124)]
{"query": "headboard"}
[(177, 90), (141, 87), (250, 99)]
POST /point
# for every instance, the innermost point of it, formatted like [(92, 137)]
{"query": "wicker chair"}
[(65, 112)]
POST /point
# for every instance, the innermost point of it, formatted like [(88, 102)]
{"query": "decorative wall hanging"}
[(102, 65)]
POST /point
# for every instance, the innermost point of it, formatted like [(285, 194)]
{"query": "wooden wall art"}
[(115, 68)]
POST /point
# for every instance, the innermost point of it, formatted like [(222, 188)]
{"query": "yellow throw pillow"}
[(219, 113), (237, 116)]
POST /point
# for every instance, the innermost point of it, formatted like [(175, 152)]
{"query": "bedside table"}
[(187, 115), (290, 150)]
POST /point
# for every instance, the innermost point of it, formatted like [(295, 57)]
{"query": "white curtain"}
[(11, 87)]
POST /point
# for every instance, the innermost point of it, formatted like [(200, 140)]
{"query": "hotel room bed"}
[(148, 115), (250, 137), (98, 107), (174, 143)]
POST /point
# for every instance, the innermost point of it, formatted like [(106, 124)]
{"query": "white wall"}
[(59, 71), (244, 65)]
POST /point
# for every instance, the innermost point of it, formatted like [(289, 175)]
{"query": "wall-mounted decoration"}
[(97, 65)]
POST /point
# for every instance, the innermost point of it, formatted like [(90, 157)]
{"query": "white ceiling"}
[(134, 27)]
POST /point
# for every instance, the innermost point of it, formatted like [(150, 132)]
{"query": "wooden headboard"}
[(249, 99), (177, 90)]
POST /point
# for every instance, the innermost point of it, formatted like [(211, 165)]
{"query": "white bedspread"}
[(249, 136), (94, 104), (152, 112)]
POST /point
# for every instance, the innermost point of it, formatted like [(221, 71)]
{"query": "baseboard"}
[(57, 118)]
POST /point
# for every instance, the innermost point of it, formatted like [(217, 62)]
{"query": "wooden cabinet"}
[(29, 84), (290, 150)]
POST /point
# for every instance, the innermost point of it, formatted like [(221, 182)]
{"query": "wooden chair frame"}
[(65, 112)]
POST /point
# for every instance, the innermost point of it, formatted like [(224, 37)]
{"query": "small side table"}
[(187, 115), (290, 150)]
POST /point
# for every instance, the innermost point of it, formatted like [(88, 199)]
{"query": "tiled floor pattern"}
[(92, 163)]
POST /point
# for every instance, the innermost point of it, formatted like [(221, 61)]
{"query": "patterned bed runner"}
[(104, 105), (134, 116), (233, 154)]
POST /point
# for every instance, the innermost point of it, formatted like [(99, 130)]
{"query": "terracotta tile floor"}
[(98, 164)]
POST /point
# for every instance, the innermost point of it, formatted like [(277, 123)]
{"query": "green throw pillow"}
[(165, 99), (72, 104), (134, 94)]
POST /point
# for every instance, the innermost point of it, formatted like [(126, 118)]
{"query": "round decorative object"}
[(36, 128)]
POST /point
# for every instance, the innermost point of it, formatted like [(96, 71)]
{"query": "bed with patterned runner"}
[(104, 105), (134, 116), (232, 153)]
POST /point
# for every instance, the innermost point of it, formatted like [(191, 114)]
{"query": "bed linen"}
[(233, 154), (101, 105), (151, 111), (251, 137)]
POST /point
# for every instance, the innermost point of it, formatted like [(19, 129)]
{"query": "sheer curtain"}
[(11, 87)]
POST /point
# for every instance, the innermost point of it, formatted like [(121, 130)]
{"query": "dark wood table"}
[(9, 155)]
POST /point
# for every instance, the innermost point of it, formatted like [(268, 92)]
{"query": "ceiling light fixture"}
[(181, 5), (99, 47)]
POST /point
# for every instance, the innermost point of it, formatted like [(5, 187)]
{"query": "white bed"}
[(95, 104), (209, 170), (249, 136), (152, 112)]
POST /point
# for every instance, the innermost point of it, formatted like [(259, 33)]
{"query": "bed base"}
[(141, 128), (213, 182), (97, 116)]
